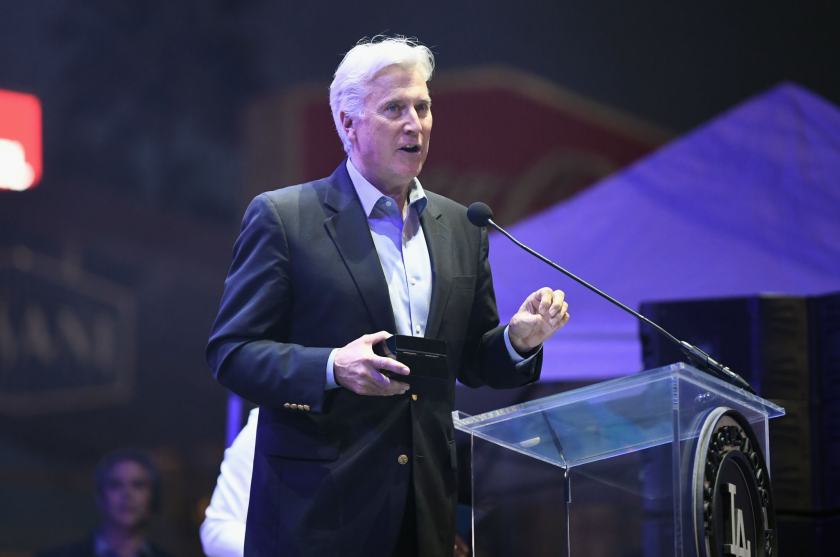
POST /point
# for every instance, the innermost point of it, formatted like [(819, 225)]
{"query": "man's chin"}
[(410, 171)]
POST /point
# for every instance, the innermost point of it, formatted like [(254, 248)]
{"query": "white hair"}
[(362, 63)]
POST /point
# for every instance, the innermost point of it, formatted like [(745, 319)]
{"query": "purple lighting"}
[(748, 203)]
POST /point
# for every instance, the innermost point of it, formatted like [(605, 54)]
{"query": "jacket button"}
[(306, 407), (413, 397), (287, 405), (402, 459), (294, 407)]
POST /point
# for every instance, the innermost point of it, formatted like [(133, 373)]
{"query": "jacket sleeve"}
[(246, 351), (485, 359)]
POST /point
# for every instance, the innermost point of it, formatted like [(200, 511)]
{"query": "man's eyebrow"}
[(389, 102)]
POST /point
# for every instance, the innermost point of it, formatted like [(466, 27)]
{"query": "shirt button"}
[(413, 280), (387, 203), (402, 459), (417, 329)]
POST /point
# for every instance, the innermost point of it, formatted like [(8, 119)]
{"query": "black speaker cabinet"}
[(788, 349)]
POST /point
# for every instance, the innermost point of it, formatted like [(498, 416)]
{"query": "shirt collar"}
[(371, 197)]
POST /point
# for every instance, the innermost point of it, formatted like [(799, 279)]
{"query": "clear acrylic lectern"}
[(620, 451)]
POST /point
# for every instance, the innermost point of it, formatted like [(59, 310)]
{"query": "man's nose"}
[(412, 121)]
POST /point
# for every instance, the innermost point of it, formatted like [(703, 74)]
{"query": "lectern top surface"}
[(614, 417)]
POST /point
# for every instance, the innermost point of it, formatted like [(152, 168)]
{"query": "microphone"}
[(481, 215)]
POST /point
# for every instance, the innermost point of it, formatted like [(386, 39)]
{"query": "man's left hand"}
[(540, 316)]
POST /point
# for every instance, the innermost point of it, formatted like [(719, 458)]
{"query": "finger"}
[(379, 362), (545, 295), (376, 337), (532, 303), (398, 388), (378, 379), (557, 301), (558, 317), (394, 388), (559, 321), (528, 304)]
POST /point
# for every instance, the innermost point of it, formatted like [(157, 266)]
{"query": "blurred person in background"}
[(127, 494), (223, 529)]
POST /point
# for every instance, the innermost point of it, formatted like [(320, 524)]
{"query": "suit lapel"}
[(350, 232), (439, 241)]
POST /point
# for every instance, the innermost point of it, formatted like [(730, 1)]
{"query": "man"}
[(348, 462), (126, 494)]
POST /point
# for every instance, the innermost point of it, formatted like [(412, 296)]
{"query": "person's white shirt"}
[(223, 529)]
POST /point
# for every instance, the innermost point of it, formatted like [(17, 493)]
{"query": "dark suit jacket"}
[(305, 279)]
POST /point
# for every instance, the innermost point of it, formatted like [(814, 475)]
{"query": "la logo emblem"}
[(736, 536)]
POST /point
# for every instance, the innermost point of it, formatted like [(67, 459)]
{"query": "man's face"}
[(391, 140), (126, 497)]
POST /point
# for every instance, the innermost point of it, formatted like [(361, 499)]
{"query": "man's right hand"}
[(356, 367)]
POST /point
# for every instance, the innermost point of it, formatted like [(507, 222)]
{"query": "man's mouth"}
[(410, 148)]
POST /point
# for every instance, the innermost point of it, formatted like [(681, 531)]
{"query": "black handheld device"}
[(425, 357)]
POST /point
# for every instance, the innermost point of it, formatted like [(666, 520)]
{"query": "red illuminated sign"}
[(20, 141)]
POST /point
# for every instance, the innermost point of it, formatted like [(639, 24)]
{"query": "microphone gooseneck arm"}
[(697, 356)]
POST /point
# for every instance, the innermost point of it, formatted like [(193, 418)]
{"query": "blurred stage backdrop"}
[(161, 120)]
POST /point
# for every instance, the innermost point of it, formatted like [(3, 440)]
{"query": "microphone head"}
[(478, 213)]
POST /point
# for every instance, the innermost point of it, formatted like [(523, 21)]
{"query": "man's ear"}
[(348, 123)]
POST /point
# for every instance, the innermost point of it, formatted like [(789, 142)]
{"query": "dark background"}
[(143, 106), (144, 96)]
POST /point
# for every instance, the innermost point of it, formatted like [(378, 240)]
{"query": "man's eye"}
[(392, 108), (422, 107)]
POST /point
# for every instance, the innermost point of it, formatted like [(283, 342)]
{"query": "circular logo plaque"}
[(733, 502)]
